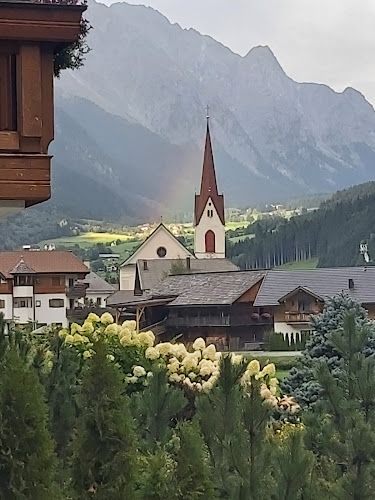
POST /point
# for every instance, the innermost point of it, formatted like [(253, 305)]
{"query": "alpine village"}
[(157, 339)]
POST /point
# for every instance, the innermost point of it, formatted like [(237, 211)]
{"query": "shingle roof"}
[(97, 284), (158, 269), (325, 282), (42, 262), (222, 288), (22, 268), (122, 297)]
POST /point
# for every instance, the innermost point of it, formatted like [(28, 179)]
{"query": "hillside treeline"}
[(332, 234)]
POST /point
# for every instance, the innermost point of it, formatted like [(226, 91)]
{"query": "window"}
[(71, 282), (22, 280), (56, 281), (161, 251), (210, 213), (99, 301), (38, 303), (56, 303), (2, 304), (22, 302), (210, 241)]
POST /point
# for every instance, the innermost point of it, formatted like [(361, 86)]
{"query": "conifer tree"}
[(158, 481), (105, 450), (234, 424), (341, 426), (157, 409), (193, 473), (301, 382), (27, 461)]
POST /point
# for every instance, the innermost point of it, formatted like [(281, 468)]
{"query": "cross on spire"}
[(207, 112)]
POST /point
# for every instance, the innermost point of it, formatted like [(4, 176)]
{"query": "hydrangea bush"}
[(138, 355)]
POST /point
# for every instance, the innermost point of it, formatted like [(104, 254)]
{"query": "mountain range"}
[(130, 124)]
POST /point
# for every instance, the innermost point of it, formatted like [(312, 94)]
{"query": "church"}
[(162, 250)]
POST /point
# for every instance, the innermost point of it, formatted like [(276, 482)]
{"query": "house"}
[(294, 296), (218, 306), (39, 286), (97, 291), (30, 34)]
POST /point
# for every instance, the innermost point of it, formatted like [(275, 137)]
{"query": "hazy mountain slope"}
[(275, 135)]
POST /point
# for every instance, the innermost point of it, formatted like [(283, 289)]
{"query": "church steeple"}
[(208, 183), (209, 209)]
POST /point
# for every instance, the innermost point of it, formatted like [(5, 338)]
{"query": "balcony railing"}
[(80, 314), (77, 291), (298, 317), (220, 320)]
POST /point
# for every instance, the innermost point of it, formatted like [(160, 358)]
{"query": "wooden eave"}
[(40, 22), (298, 290)]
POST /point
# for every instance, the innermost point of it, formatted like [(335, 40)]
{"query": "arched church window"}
[(161, 251), (210, 241)]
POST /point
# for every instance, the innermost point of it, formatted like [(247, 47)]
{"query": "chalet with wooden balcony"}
[(37, 286), (30, 34), (295, 296), (218, 306)]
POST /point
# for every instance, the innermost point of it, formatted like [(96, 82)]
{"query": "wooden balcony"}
[(30, 33), (78, 291), (80, 314), (212, 320), (298, 317)]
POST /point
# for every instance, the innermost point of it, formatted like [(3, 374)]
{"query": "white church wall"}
[(161, 238), (205, 224), (127, 277)]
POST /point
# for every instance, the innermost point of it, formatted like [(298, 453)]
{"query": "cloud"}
[(326, 41)]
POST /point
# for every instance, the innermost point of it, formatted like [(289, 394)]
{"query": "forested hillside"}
[(332, 233)]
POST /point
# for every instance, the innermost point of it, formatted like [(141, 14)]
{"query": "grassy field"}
[(87, 240), (303, 264), (244, 237), (236, 225)]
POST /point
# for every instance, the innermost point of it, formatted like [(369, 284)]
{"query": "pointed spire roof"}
[(208, 183), (22, 268)]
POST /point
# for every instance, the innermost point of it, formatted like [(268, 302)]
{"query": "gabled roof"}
[(161, 226), (42, 262), (22, 268), (96, 284), (158, 269), (324, 283), (208, 184), (300, 289), (207, 289)]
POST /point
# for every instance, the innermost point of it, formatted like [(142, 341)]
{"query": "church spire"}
[(208, 182)]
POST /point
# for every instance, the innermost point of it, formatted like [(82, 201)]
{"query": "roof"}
[(325, 282), (298, 290), (42, 262), (208, 184), (22, 268), (158, 228), (97, 284), (158, 269), (207, 289), (122, 297)]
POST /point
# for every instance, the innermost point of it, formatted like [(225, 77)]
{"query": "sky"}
[(324, 41)]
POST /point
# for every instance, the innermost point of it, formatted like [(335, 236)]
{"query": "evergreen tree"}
[(158, 481), (27, 461), (293, 467), (157, 409), (341, 425), (301, 382), (105, 452), (193, 472), (234, 424)]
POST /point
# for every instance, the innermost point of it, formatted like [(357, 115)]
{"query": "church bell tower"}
[(209, 218)]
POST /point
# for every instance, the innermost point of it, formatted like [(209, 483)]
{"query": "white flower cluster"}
[(197, 370)]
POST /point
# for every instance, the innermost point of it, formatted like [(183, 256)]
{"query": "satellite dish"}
[(363, 250)]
